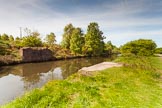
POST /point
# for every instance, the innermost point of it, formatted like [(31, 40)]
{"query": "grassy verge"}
[(130, 86)]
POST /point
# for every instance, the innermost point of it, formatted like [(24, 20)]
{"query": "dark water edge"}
[(10, 62), (17, 79)]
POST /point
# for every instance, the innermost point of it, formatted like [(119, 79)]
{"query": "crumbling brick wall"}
[(33, 54)]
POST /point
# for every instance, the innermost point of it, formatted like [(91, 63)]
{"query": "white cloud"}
[(35, 14)]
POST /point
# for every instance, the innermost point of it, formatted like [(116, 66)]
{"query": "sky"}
[(120, 20)]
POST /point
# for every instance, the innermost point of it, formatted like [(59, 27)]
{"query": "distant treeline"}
[(76, 42)]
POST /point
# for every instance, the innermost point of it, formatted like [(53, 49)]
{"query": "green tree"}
[(158, 50), (2, 48), (5, 37), (141, 47), (17, 38), (77, 41), (110, 48), (68, 30), (50, 39), (32, 41), (11, 38), (18, 42), (94, 44)]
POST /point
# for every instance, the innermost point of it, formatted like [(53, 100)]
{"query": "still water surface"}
[(15, 80)]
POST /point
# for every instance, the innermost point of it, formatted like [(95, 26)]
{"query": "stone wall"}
[(34, 54)]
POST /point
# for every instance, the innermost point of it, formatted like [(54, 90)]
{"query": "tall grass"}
[(136, 62)]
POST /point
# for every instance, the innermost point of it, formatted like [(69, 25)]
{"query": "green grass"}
[(123, 87)]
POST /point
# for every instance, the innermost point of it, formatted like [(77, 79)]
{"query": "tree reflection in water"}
[(33, 75)]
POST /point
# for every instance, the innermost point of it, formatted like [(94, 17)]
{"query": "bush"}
[(4, 48), (158, 50), (141, 47), (136, 62), (31, 41)]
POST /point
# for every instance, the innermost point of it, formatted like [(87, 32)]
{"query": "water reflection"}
[(14, 80)]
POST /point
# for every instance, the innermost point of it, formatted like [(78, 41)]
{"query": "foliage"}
[(60, 52), (158, 50), (142, 47), (109, 48), (17, 42), (50, 38), (136, 62), (77, 41), (4, 46), (68, 30), (31, 41), (114, 87), (11, 38), (35, 34), (94, 44), (5, 37)]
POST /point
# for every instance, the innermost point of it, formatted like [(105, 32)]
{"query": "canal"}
[(17, 79)]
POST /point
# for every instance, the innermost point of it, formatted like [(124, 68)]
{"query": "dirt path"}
[(101, 66)]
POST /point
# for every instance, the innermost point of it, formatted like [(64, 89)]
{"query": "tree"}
[(67, 36), (110, 48), (35, 34), (141, 47), (2, 48), (77, 41), (17, 38), (50, 39), (18, 42), (5, 37), (32, 41), (11, 38), (158, 50), (94, 44)]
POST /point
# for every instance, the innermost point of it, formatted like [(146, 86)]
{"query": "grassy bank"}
[(138, 84)]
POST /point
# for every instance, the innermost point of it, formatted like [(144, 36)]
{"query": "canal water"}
[(17, 79)]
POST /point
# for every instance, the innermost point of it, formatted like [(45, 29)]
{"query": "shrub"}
[(31, 41), (141, 47), (158, 50)]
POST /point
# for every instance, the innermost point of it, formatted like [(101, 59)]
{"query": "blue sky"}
[(120, 20)]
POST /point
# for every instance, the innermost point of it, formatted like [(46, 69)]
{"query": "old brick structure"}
[(34, 54)]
